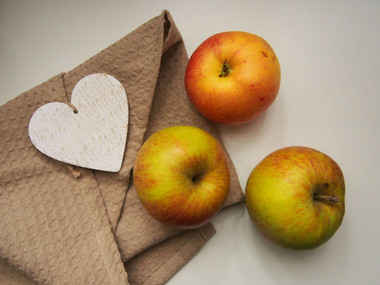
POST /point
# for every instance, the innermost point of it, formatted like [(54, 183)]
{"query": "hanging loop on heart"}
[(75, 110)]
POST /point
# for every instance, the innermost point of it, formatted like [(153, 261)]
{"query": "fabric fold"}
[(58, 229)]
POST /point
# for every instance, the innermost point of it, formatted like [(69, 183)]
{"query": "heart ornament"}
[(90, 132)]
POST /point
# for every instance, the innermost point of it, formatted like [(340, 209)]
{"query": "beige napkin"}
[(58, 229)]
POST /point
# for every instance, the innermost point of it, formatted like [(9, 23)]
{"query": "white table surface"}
[(329, 99)]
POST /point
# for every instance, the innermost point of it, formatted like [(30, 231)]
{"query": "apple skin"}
[(181, 176), (295, 196), (247, 89)]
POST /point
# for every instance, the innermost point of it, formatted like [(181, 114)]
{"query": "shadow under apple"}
[(314, 266)]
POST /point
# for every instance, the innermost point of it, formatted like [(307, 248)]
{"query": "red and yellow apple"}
[(233, 77), (181, 176), (295, 196)]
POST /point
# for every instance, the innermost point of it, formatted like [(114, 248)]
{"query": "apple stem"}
[(225, 69), (328, 198)]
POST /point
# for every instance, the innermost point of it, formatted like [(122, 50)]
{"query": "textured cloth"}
[(59, 229)]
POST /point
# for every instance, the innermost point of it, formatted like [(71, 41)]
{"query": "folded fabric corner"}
[(58, 229)]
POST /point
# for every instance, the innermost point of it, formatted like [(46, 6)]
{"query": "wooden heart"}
[(90, 132)]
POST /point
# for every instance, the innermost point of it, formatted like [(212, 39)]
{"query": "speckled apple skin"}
[(181, 176), (279, 197), (250, 87)]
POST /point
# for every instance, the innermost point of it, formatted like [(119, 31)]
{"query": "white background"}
[(329, 99)]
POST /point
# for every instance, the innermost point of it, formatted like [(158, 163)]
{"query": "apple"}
[(233, 77), (295, 196), (181, 176)]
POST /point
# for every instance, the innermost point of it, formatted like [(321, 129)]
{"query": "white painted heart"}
[(94, 136)]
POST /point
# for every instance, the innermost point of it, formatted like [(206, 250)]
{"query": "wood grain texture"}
[(90, 132)]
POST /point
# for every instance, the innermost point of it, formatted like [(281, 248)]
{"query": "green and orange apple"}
[(295, 196), (181, 176)]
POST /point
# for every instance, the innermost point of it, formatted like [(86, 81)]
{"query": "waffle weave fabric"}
[(58, 229)]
